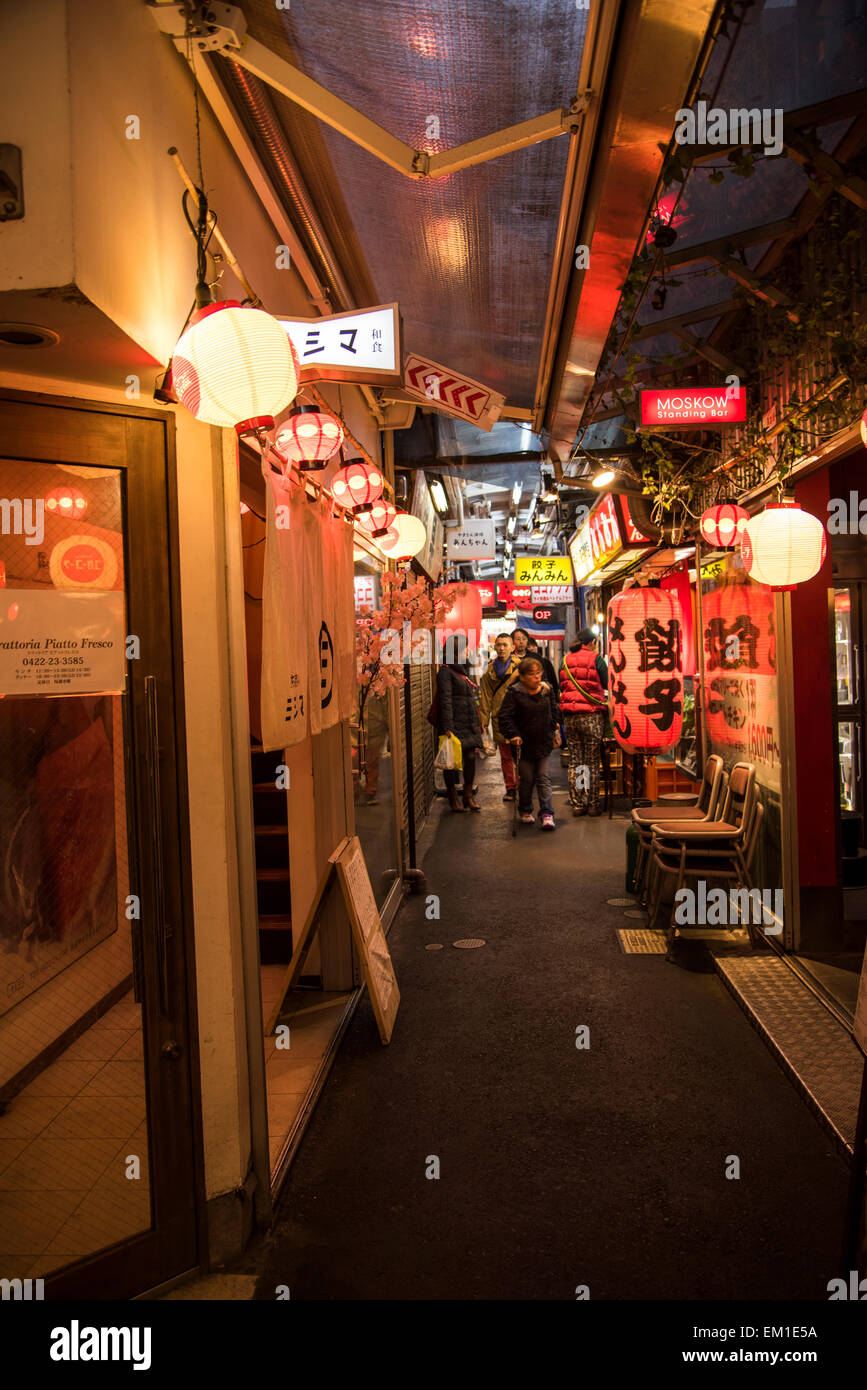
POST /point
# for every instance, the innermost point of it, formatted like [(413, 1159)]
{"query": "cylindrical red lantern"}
[(379, 518), (464, 615), (864, 429), (405, 537), (235, 366), (357, 486), (723, 525), (645, 669), (66, 501), (783, 546), (309, 438)]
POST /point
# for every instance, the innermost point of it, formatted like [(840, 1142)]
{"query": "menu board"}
[(368, 935)]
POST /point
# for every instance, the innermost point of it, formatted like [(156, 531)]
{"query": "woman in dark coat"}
[(458, 714)]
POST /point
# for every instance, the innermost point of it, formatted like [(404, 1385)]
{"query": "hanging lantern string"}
[(320, 400), (293, 474), (252, 297)]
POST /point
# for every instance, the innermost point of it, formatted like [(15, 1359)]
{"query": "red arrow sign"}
[(437, 386)]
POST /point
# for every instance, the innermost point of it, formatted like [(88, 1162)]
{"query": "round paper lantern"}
[(66, 501), (864, 429), (723, 526), (645, 669), (357, 486), (235, 366), (405, 537), (309, 438), (783, 546), (379, 518), (464, 615)]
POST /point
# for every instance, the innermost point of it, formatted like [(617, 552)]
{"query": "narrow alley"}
[(555, 1169)]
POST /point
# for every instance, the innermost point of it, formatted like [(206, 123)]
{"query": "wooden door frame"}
[(110, 435)]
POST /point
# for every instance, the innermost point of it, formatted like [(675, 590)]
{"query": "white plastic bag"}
[(445, 757)]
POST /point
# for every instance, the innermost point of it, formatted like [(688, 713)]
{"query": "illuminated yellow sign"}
[(543, 569)]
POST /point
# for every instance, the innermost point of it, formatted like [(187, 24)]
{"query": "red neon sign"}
[(693, 407)]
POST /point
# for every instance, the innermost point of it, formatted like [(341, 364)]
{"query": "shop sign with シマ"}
[(699, 407), (597, 541), (472, 541), (363, 345), (543, 569)]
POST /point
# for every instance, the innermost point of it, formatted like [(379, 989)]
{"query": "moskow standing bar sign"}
[(693, 408)]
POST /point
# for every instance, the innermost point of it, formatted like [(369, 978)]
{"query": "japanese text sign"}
[(693, 408), (543, 569), (552, 593), (597, 541), (363, 345), (645, 663), (472, 541)]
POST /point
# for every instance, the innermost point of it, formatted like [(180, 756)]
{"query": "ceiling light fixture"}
[(438, 494), (516, 494), (603, 478)]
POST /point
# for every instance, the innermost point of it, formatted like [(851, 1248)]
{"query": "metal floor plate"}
[(816, 1050), (638, 941)]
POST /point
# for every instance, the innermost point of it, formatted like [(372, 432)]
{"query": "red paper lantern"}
[(235, 366), (309, 438), (66, 501), (357, 486), (405, 537), (645, 669), (379, 518), (464, 615), (783, 546), (723, 526), (864, 429), (739, 692)]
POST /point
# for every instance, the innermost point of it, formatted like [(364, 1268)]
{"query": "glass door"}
[(97, 1172)]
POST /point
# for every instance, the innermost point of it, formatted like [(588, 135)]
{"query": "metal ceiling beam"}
[(710, 250), (710, 354), (659, 45), (847, 184), (710, 311), (220, 28), (753, 282)]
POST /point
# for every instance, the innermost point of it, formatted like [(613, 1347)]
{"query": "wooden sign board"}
[(368, 934), (348, 866)]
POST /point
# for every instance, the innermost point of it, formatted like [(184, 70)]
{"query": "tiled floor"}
[(65, 1145), (66, 1139), (289, 1072)]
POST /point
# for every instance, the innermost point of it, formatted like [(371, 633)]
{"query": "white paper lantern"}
[(235, 366), (783, 546), (405, 537)]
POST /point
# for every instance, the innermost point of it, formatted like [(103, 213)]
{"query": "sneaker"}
[(548, 822), (511, 793), (372, 800), (527, 817)]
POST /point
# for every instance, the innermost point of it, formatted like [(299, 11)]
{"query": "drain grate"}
[(640, 941), (469, 943)]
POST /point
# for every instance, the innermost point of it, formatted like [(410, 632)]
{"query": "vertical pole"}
[(410, 774)]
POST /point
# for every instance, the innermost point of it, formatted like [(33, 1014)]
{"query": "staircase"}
[(272, 859)]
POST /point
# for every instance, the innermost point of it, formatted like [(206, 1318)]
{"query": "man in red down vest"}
[(583, 695)]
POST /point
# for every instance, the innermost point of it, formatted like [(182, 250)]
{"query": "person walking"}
[(529, 717), (548, 672), (458, 714), (583, 686), (502, 672)]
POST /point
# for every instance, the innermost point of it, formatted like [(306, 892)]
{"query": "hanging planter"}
[(309, 438), (645, 684), (783, 546), (357, 486), (722, 526), (235, 367)]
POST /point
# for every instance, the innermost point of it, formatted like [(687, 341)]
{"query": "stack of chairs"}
[(708, 802), (718, 850)]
